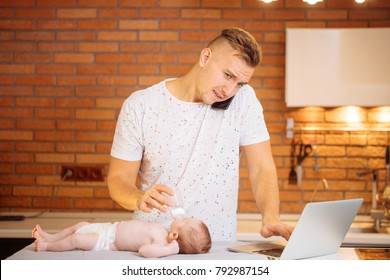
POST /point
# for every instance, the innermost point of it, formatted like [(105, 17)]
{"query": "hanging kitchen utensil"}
[(292, 176), (386, 191), (304, 152)]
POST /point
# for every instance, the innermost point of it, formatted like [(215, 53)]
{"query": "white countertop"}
[(248, 226)]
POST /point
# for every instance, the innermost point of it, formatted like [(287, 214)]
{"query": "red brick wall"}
[(67, 65)]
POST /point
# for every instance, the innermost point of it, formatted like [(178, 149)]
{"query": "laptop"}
[(320, 230)]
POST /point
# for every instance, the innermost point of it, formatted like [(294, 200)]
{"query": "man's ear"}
[(173, 235), (204, 56)]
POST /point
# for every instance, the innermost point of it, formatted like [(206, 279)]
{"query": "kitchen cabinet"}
[(337, 67)]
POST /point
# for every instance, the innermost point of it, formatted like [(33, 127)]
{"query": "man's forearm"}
[(124, 193)]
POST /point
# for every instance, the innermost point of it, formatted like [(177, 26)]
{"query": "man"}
[(188, 133)]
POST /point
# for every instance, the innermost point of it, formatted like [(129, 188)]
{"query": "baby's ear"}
[(173, 236)]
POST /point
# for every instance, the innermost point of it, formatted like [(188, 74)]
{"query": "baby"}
[(151, 240)]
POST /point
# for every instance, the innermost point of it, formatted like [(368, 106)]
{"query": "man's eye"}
[(228, 75)]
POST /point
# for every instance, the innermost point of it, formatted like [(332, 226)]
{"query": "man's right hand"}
[(153, 198)]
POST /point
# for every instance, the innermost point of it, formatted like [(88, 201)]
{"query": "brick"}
[(15, 201), (219, 24), (95, 91), (34, 102), (17, 24), (35, 36), (201, 13), (94, 203), (98, 47), (327, 15), (75, 103), (76, 80), (100, 114), (75, 147), (138, 24), (284, 15), (55, 69), (73, 58), (53, 91), (117, 36), (14, 46), (53, 136), (6, 80), (76, 13), (118, 81), (114, 58), (109, 103), (16, 113), (175, 69), (117, 13), (156, 58), (51, 3), (33, 191), (180, 24), (17, 68), (137, 69), (371, 14), (76, 36), (197, 36), (54, 158), (101, 193), (76, 125), (180, 3), (143, 4), (35, 13), (16, 157), (243, 14), (83, 136), (142, 47), (97, 24), (105, 147), (54, 113), (158, 36), (33, 147), (92, 158), (159, 13), (35, 124), (96, 69), (53, 202), (56, 47), (5, 57), (35, 80), (15, 135), (96, 3), (32, 57), (56, 24)]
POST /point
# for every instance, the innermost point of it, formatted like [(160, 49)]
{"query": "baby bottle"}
[(177, 208)]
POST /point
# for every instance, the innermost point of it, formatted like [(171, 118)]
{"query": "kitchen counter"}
[(248, 226)]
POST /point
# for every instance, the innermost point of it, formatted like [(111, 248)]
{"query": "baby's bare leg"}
[(40, 234), (81, 241)]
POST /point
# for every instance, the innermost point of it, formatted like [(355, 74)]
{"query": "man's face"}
[(223, 74)]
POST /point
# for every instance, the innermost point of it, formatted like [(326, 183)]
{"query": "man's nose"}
[(229, 88)]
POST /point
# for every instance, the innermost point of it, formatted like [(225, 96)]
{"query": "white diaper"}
[(106, 231)]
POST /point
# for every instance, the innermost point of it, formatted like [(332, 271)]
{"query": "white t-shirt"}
[(192, 147)]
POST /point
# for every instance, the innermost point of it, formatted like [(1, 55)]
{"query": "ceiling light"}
[(360, 1), (312, 2), (268, 1)]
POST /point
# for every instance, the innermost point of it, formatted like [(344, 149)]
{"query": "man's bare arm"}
[(121, 180)]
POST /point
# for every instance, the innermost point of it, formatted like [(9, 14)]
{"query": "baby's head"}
[(192, 235)]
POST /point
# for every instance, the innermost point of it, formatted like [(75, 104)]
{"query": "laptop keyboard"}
[(274, 252)]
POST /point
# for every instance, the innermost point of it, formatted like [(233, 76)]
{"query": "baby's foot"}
[(40, 245), (39, 234), (36, 232)]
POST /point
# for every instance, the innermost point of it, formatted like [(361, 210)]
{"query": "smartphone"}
[(223, 105)]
